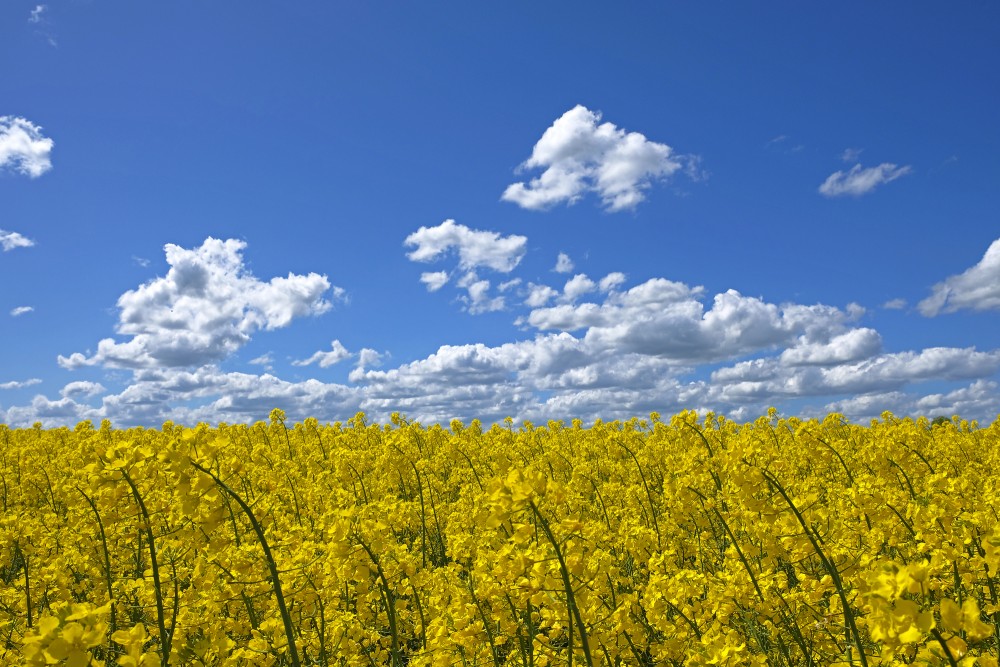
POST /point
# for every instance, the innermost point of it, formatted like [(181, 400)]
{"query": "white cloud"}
[(15, 384), (977, 288), (773, 379), (563, 264), (140, 261), (977, 398), (475, 248), (894, 304), (611, 281), (629, 352), (666, 319), (849, 346), (860, 181), (508, 284), (539, 295), (477, 299), (578, 154), (82, 388), (21, 310), (980, 397), (203, 310), (325, 359), (577, 286), (434, 280), (23, 148), (11, 240), (36, 15), (851, 154), (367, 358), (266, 360)]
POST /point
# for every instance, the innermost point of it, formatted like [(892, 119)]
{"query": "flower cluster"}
[(683, 541)]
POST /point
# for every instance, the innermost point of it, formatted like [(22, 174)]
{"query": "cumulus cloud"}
[(367, 358), (977, 288), (82, 389), (434, 280), (21, 310), (203, 310), (37, 14), (579, 154), (667, 319), (15, 384), (563, 264), (23, 148), (475, 248), (848, 346), (611, 281), (11, 240), (860, 181), (327, 358), (577, 286), (539, 295)]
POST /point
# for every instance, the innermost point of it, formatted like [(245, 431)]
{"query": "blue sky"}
[(475, 210)]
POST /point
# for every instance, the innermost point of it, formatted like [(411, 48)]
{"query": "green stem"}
[(271, 565)]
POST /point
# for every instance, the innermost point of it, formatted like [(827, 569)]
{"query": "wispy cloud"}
[(860, 181), (23, 148), (579, 154), (851, 154), (19, 384), (783, 144), (21, 310), (39, 17)]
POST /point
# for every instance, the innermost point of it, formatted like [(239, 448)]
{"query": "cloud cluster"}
[(860, 181), (476, 249), (203, 310), (599, 350), (579, 154), (23, 148), (977, 288)]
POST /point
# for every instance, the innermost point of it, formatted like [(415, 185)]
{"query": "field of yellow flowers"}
[(686, 541)]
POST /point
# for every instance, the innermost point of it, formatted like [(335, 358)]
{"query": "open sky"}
[(543, 210)]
